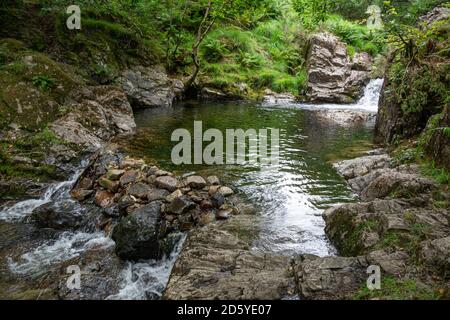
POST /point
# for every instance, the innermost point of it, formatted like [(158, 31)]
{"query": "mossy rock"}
[(33, 88)]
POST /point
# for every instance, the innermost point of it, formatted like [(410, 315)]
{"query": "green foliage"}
[(398, 289), (16, 67), (356, 35), (313, 12), (43, 82), (440, 175)]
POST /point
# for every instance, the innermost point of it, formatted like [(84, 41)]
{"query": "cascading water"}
[(147, 280), (56, 192), (371, 97), (67, 246), (140, 281), (368, 102)]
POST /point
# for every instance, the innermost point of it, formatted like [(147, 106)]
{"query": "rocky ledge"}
[(402, 225), (218, 262)]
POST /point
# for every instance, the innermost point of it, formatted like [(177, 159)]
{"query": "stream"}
[(289, 198)]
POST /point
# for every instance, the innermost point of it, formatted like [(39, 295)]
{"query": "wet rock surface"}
[(137, 235), (217, 263), (345, 118)]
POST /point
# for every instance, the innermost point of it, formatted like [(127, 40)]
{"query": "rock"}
[(271, 97), (217, 264), (139, 190), (180, 205), (109, 185), (438, 145), (393, 264), (196, 182), (136, 236), (213, 189), (128, 177), (167, 182), (205, 218), (85, 183), (353, 168), (130, 163), (81, 194), (150, 87), (332, 77), (103, 198), (212, 94), (217, 200), (224, 214), (101, 274), (245, 208), (114, 174), (435, 254), (435, 15), (125, 202), (362, 61), (110, 212), (59, 217), (351, 227), (402, 184), (162, 173), (206, 205), (330, 278), (226, 191), (345, 118), (213, 180), (157, 194), (109, 114), (176, 194)]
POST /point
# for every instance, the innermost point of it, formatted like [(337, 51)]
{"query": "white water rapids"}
[(58, 192)]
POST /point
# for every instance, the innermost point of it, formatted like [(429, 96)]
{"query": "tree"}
[(214, 11)]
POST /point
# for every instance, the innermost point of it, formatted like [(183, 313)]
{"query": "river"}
[(289, 198)]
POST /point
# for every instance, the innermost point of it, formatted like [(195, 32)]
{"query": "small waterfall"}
[(147, 280), (369, 101), (56, 192), (67, 246)]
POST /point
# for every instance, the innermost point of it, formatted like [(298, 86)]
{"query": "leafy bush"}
[(357, 36), (214, 50)]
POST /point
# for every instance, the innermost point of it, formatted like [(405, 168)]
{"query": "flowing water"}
[(290, 197)]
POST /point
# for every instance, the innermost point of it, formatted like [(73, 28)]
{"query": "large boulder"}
[(150, 87), (137, 236), (332, 75)]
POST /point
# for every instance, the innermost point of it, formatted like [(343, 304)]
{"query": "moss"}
[(399, 289)]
